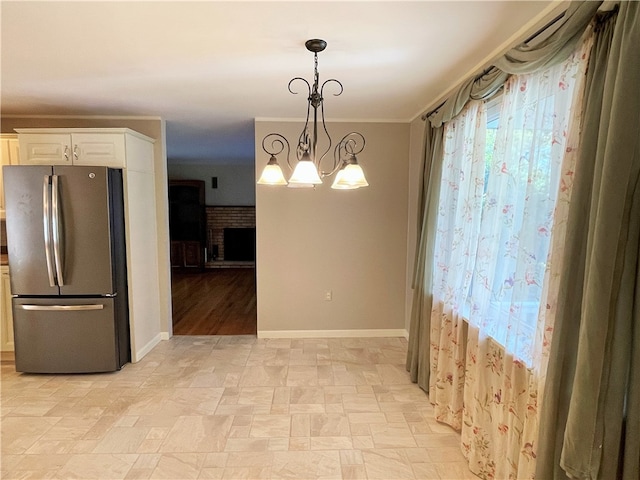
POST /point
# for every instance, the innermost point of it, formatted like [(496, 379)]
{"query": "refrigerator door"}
[(82, 238), (28, 209), (70, 336)]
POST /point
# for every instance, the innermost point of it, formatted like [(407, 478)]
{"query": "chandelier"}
[(308, 171)]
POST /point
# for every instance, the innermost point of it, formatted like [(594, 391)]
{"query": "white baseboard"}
[(141, 352), (383, 332), (165, 336)]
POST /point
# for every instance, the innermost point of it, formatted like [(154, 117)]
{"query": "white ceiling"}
[(209, 68)]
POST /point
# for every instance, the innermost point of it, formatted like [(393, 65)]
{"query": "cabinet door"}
[(177, 257), (192, 255), (98, 149), (6, 322), (45, 149)]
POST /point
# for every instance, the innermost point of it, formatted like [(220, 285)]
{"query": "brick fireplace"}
[(238, 221)]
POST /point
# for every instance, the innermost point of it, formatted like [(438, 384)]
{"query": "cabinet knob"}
[(75, 152), (66, 152)]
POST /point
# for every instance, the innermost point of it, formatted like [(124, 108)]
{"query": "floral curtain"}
[(458, 225), (493, 261)]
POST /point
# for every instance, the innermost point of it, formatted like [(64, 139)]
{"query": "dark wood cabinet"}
[(177, 260), (187, 223), (187, 254)]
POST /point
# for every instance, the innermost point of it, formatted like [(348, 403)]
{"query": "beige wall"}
[(153, 127), (353, 242)]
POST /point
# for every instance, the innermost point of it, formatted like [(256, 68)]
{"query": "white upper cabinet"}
[(106, 147), (45, 149)]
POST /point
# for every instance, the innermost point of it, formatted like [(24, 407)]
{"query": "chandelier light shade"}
[(272, 174), (308, 171), (305, 173), (350, 177)]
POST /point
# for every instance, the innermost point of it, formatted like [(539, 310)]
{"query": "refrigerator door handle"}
[(66, 308), (46, 220), (56, 225)]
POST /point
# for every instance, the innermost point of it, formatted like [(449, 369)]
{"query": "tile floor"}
[(231, 408)]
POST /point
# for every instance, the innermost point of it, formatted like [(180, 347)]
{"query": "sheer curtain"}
[(496, 213), (458, 223), (521, 188)]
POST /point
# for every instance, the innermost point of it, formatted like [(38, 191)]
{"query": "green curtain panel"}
[(419, 330), (561, 368), (590, 425)]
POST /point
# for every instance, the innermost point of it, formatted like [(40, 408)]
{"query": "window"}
[(499, 187)]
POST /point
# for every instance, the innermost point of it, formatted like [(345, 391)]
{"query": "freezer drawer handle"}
[(67, 308)]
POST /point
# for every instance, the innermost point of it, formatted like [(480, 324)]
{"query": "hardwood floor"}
[(219, 301)]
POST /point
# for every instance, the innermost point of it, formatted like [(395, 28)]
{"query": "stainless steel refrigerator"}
[(66, 245)]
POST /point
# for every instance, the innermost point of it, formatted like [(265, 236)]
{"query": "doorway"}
[(216, 301), (213, 280)]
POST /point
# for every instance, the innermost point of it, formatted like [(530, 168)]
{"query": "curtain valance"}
[(524, 58)]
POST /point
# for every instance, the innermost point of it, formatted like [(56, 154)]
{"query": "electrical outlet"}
[(328, 295)]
